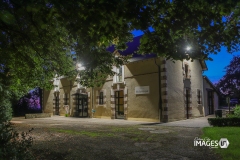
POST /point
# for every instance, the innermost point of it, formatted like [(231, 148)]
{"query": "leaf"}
[(7, 17)]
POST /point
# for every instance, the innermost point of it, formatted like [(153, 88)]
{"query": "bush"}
[(237, 111), (221, 122), (5, 111), (14, 146)]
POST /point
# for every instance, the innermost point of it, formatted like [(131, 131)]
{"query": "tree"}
[(29, 103), (38, 36), (30, 50), (230, 82), (205, 26)]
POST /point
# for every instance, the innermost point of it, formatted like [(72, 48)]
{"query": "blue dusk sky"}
[(216, 67)]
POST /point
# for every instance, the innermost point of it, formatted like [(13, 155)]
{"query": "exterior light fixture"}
[(188, 48), (80, 67)]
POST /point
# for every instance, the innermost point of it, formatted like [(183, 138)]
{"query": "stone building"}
[(146, 89)]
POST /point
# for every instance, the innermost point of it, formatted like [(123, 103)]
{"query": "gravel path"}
[(59, 138)]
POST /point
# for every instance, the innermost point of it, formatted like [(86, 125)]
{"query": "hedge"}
[(221, 122)]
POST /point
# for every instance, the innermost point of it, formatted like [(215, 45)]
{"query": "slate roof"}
[(132, 48), (211, 84)]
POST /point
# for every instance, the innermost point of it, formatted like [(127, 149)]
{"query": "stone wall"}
[(143, 107), (37, 115), (178, 84)]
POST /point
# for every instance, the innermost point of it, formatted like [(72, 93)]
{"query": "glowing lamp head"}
[(188, 48), (79, 65)]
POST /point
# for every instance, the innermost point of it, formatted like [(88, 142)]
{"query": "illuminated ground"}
[(97, 139)]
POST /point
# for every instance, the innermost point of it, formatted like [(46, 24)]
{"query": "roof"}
[(131, 50), (133, 47), (210, 83)]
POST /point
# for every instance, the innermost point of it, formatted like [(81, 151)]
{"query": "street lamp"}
[(80, 67), (188, 48)]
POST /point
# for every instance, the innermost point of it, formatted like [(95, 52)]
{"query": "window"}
[(56, 84), (119, 74), (199, 96), (101, 97)]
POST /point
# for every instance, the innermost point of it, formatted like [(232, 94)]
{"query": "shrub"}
[(14, 145), (237, 111), (220, 122), (5, 111)]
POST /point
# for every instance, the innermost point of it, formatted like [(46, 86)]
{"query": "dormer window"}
[(56, 84), (119, 74)]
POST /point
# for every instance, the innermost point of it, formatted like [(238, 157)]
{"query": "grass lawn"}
[(232, 134)]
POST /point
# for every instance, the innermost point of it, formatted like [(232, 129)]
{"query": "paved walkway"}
[(195, 123), (74, 120)]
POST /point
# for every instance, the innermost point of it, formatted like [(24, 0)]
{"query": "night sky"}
[(216, 67)]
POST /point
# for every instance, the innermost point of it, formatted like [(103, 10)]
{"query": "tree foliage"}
[(205, 26), (29, 103), (14, 145), (231, 80), (33, 44), (37, 37)]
